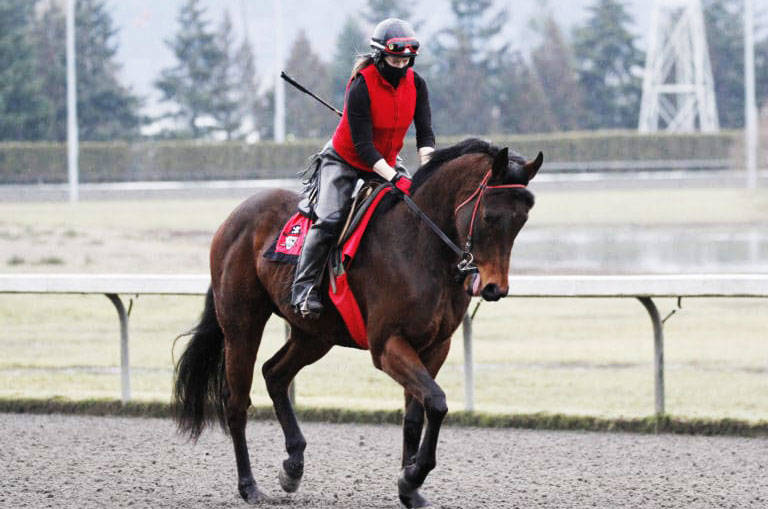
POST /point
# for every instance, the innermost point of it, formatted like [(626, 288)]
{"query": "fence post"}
[(469, 376), (658, 347), (125, 359)]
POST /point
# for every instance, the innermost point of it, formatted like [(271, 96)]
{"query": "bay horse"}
[(404, 279)]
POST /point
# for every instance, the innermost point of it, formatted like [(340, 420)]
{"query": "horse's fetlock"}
[(294, 469), (411, 478), (428, 465), (296, 447)]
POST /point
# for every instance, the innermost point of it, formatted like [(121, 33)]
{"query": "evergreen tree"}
[(190, 84), (609, 66), (725, 37), (522, 105), (105, 108), (761, 71), (553, 61), (225, 101), (22, 106), (461, 96), (304, 117), (252, 105), (350, 43), (267, 123), (51, 59), (379, 10)]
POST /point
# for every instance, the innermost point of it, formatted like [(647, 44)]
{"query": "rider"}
[(384, 95)]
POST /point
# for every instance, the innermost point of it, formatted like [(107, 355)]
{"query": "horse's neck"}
[(441, 193), (437, 198)]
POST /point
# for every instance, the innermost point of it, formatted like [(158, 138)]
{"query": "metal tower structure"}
[(678, 89)]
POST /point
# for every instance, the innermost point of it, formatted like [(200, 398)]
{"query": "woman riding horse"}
[(384, 95), (412, 282)]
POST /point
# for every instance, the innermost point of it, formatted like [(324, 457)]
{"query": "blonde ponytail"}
[(361, 63)]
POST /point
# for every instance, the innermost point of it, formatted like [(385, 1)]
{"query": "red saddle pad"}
[(287, 248)]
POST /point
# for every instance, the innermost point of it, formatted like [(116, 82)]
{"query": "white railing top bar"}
[(688, 285), (158, 284)]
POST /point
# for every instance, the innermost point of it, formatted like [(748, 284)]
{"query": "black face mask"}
[(390, 73)]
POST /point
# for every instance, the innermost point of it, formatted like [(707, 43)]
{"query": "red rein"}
[(479, 193)]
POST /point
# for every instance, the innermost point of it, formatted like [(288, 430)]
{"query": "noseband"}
[(467, 263)]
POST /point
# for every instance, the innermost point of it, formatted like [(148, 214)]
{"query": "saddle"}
[(287, 248), (289, 242)]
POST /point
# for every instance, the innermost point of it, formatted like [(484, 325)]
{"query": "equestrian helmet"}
[(395, 37)]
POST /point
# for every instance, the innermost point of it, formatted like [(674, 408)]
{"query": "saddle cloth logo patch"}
[(293, 237), (287, 246)]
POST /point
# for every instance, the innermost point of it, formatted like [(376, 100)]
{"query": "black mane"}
[(464, 147), (442, 156)]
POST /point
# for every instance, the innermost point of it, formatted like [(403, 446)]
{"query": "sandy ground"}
[(70, 461)]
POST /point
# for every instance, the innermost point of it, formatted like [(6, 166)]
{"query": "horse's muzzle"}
[(493, 292)]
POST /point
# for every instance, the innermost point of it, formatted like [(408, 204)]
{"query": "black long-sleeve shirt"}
[(361, 127)]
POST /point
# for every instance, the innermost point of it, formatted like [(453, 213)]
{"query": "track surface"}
[(72, 461)]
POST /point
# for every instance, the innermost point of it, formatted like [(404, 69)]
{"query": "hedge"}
[(27, 163), (540, 421)]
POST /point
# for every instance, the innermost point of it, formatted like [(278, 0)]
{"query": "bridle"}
[(466, 263)]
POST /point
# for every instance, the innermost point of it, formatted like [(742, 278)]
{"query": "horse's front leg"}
[(413, 425), (400, 361), (413, 420)]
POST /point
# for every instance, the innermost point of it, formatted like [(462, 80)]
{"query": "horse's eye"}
[(492, 219)]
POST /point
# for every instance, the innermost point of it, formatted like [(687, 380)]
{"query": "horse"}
[(404, 278)]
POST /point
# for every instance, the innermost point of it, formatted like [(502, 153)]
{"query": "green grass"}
[(557, 356), (565, 356)]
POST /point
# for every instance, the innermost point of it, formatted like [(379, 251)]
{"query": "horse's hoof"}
[(250, 492), (288, 482), (409, 494), (414, 500)]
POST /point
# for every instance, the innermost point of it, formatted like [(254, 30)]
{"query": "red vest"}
[(392, 112)]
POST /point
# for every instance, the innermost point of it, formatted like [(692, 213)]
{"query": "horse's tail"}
[(199, 380)]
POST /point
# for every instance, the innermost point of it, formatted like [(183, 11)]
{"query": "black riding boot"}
[(335, 183), (305, 294)]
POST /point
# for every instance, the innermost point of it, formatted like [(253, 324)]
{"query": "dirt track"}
[(69, 461)]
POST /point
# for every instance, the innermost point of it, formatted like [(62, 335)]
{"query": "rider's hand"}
[(402, 183), (425, 154)]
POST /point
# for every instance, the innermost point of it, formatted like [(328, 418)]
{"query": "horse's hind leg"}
[(300, 350), (241, 344)]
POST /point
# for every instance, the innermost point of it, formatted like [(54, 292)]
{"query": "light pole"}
[(72, 136), (279, 121), (750, 106)]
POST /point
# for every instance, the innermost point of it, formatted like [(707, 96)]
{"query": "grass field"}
[(588, 357)]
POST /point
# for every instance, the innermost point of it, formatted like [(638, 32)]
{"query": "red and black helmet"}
[(395, 37)]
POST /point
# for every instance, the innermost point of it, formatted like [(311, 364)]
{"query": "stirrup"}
[(306, 311)]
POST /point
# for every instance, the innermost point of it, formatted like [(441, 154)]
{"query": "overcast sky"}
[(145, 24)]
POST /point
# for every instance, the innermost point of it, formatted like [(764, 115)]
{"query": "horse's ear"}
[(500, 164), (532, 167)]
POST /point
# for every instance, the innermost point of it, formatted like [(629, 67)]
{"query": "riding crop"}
[(306, 91)]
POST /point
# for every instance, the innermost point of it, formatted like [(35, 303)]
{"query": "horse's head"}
[(492, 216)]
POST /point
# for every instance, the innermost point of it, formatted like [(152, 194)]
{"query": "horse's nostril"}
[(492, 292)]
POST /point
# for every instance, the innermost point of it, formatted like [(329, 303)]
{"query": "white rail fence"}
[(644, 288)]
